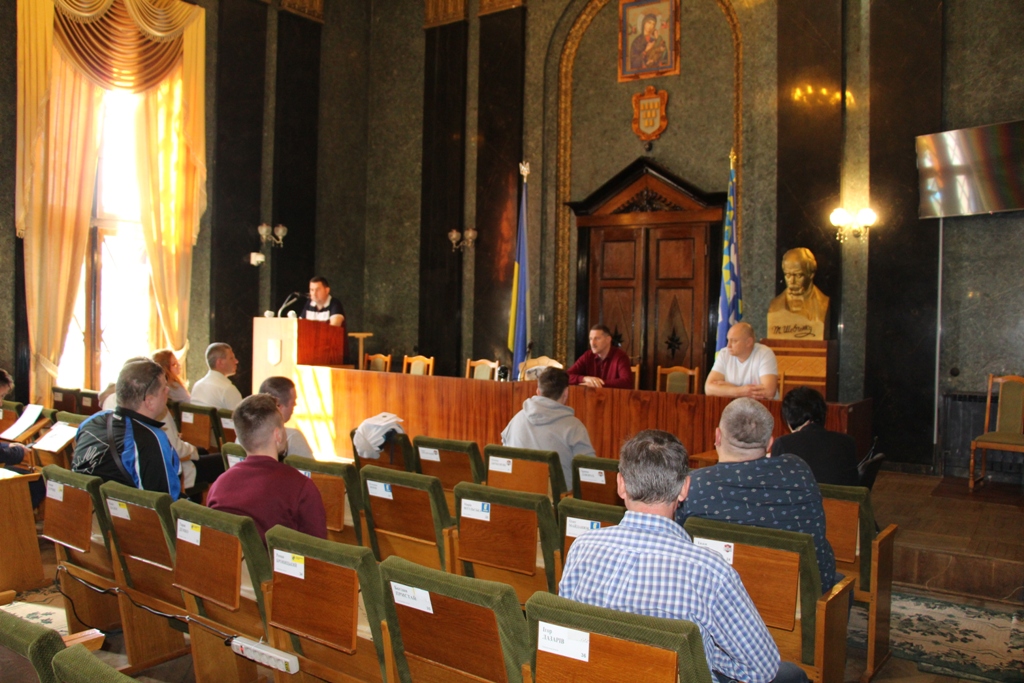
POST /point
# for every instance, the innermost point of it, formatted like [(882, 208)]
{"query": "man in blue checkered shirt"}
[(649, 565)]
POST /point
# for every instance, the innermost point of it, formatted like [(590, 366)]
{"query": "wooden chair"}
[(143, 533), (522, 469), (594, 479), (397, 453), (316, 615), (9, 414), (619, 646), (577, 516), (865, 556), (481, 369), (497, 539), (532, 367), (200, 426), (406, 515), (21, 565), (227, 425), (232, 454), (678, 380), (790, 381), (210, 548), (339, 488), (78, 665), (417, 365), (635, 369), (377, 362), (461, 610), (450, 461), (780, 572), (1008, 434), (89, 402), (85, 569), (65, 399), (34, 642)]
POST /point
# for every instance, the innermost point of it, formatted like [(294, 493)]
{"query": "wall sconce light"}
[(456, 238), (848, 225), (275, 236)]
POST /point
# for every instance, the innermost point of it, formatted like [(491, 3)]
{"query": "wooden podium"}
[(810, 363), (21, 566)]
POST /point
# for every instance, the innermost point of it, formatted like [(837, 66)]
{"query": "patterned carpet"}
[(952, 639)]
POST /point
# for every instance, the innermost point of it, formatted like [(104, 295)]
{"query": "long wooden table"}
[(477, 410)]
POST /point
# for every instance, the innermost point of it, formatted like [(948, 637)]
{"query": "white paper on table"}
[(8, 474), (27, 419), (57, 438)]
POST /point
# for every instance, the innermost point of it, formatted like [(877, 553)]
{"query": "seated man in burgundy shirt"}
[(604, 365), (260, 486)]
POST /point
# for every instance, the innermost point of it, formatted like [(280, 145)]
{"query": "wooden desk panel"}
[(477, 410)]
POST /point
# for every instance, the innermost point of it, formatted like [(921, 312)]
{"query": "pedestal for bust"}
[(807, 362)]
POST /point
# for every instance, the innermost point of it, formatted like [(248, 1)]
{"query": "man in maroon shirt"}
[(603, 365), (260, 486)]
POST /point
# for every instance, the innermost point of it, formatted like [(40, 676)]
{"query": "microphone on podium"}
[(289, 300)]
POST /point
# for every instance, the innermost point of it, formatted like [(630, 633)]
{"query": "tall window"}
[(112, 315)]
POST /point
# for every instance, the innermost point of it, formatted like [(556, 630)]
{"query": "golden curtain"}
[(163, 55)]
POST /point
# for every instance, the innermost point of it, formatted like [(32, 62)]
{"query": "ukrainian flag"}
[(730, 297), (519, 314)]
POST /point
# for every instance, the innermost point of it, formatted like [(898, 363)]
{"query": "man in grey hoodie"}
[(545, 423)]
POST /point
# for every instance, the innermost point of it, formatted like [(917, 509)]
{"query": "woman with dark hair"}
[(172, 371), (831, 456)]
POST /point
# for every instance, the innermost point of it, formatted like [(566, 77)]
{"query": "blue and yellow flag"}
[(730, 298), (519, 315)]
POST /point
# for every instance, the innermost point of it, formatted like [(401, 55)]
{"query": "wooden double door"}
[(649, 285)]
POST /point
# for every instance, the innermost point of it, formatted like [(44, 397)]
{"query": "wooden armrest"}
[(833, 613), (92, 639)]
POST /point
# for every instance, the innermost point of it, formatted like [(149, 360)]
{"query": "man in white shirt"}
[(743, 367), (283, 389), (215, 389)]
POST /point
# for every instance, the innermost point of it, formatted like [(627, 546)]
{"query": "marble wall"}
[(8, 124), (982, 290)]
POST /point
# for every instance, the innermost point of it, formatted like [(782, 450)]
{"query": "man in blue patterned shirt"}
[(748, 486), (649, 565)]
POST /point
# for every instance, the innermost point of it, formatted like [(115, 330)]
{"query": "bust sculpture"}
[(801, 310)]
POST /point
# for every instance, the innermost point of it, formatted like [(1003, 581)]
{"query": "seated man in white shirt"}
[(283, 389), (743, 367), (215, 389)]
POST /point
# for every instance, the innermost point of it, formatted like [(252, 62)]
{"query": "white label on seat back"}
[(567, 642), (476, 509), (591, 476), (417, 598), (118, 508), (500, 465), (574, 526), (189, 532), (430, 454), (87, 401), (721, 547), (306, 473), (234, 460), (290, 564), (379, 489), (188, 418), (55, 490), (58, 396), (227, 423)]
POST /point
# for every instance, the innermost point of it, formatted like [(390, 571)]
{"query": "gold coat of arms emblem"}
[(649, 117)]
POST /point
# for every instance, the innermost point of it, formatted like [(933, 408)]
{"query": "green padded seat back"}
[(89, 484), (777, 539), (550, 457), (210, 412), (421, 482), (1010, 410), (35, 643), (576, 508), (540, 505), (682, 637), (158, 502), (678, 383), (232, 453), (610, 466), (353, 557), (499, 598), (347, 471), (71, 418), (77, 665), (174, 409), (470, 448), (482, 372), (378, 364), (254, 553), (14, 406), (862, 496)]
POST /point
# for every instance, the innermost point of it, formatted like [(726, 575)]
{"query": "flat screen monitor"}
[(972, 170)]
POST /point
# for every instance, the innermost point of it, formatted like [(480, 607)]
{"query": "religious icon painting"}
[(648, 39)]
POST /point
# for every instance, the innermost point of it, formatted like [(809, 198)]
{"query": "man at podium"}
[(321, 305)]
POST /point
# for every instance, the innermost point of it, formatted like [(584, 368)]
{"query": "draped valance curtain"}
[(69, 53)]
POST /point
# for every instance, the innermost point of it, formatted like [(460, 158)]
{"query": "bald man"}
[(743, 367)]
